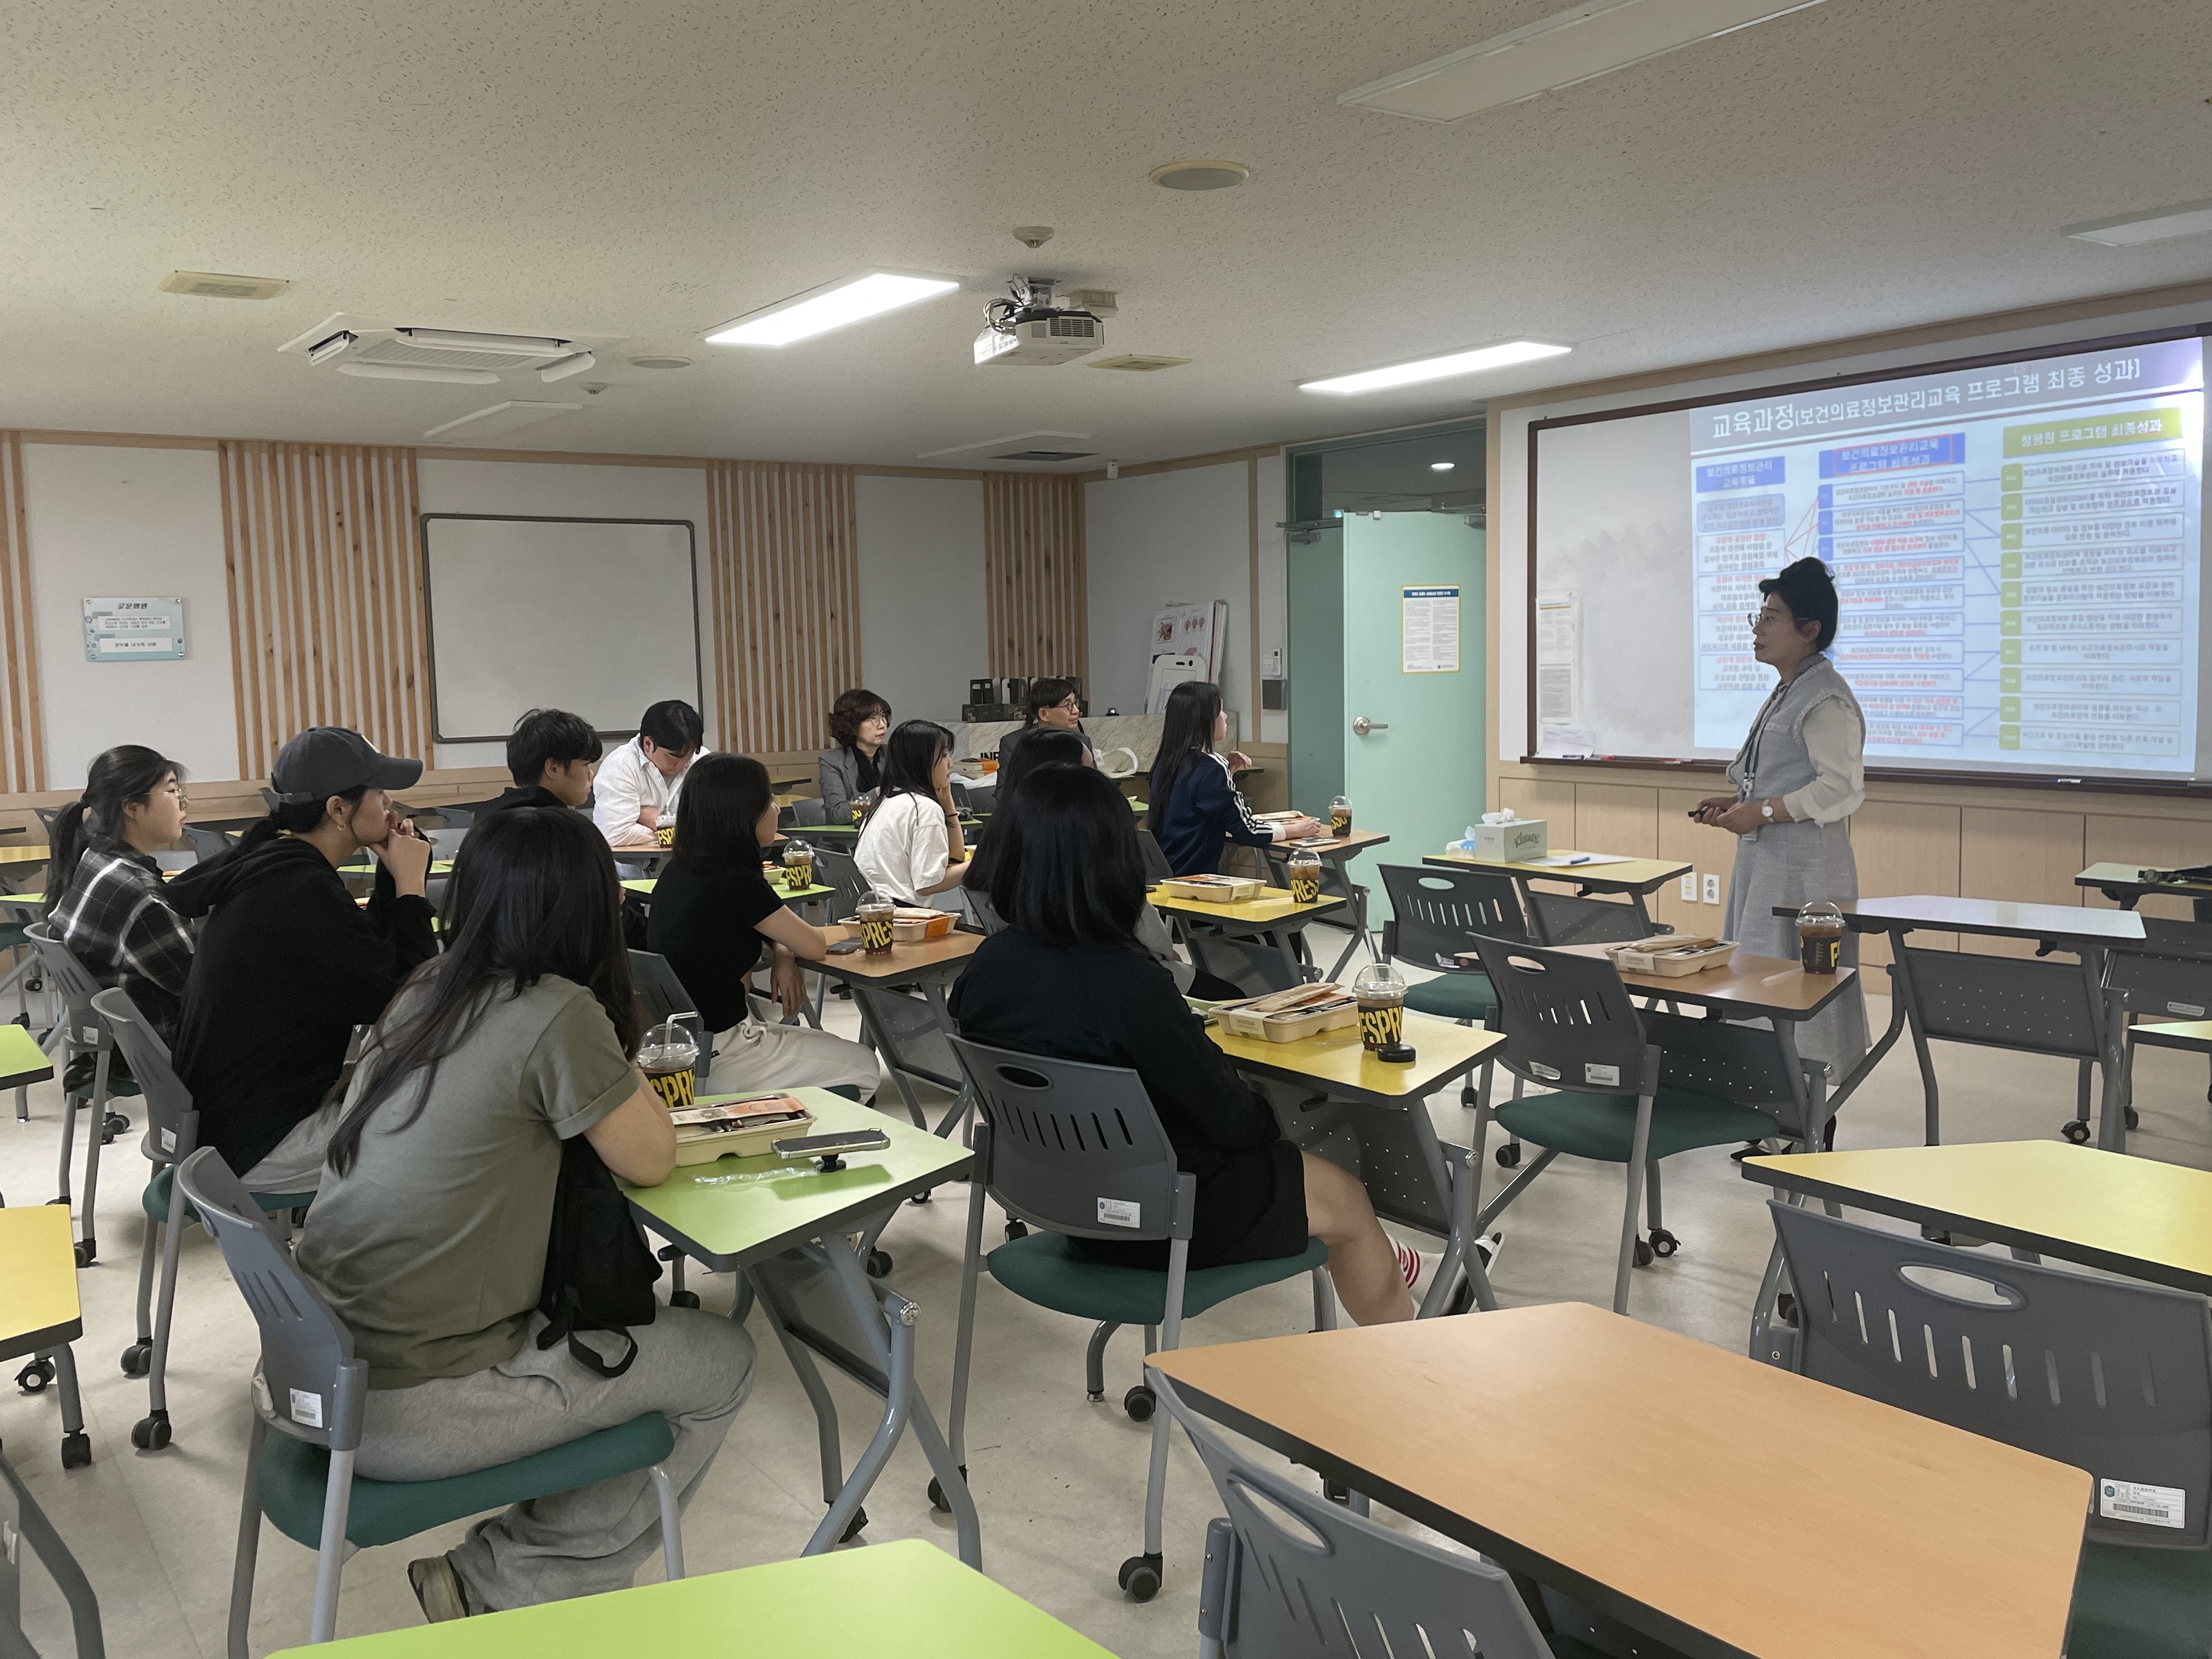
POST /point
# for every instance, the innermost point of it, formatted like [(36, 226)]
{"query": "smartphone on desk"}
[(846, 1140), (845, 947)]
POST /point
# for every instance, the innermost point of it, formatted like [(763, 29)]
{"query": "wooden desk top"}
[(1660, 1480), (643, 886), (1996, 918), (2193, 1034), (21, 1061), (1769, 986), (2131, 878), (908, 1598), (1337, 849), (1629, 876), (38, 854), (1339, 1061), (904, 962), (1273, 905), (2127, 1215), (38, 1305)]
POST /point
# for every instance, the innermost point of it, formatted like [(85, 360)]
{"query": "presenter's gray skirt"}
[(1793, 863)]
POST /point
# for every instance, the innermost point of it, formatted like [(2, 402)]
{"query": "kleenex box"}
[(1513, 843)]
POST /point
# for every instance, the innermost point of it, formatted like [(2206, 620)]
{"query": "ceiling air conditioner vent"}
[(217, 285), (390, 350), (1137, 363)]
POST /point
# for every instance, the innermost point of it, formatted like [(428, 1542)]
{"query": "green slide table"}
[(785, 1227), (908, 1598), (22, 1062)]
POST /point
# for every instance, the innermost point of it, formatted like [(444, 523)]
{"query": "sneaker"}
[(1409, 1263), (1487, 1248), (438, 1588)]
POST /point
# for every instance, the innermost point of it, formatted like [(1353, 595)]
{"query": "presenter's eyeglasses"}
[(1770, 614)]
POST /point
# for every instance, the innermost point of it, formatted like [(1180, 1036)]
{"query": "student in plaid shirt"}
[(103, 897)]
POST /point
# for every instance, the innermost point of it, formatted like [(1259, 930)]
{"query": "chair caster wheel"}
[(920, 1198), (683, 1299), (1140, 1403), (2075, 1131), (937, 1500), (1140, 1576), (138, 1357), (76, 1449), (879, 1264), (1785, 1309), (87, 1251), (1016, 1230), (859, 1526), (1509, 1156), (1664, 1243), (34, 1376), (151, 1433), (1643, 1254), (2135, 1121), (116, 1124)]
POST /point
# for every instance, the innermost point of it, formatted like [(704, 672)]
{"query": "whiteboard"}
[(597, 615)]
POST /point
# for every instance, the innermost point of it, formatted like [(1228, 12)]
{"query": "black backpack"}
[(599, 1272)]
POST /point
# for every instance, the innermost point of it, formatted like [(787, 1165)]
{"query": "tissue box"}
[(1513, 843)]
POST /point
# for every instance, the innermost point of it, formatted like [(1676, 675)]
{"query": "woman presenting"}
[(1799, 776)]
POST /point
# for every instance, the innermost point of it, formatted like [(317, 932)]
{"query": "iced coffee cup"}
[(1339, 817), (1305, 877), (1382, 997), (669, 1057), (1819, 937), (798, 866), (875, 913)]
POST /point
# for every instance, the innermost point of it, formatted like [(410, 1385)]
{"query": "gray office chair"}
[(303, 1479), (1569, 919), (661, 996), (20, 1518), (83, 1031), (1568, 1025), (2005, 1002), (835, 868), (1045, 1154), (172, 1131), (2110, 1376), (208, 843), (1157, 867), (457, 817), (1288, 1575), (806, 811)]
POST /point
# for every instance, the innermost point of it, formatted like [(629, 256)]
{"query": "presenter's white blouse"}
[(1837, 750)]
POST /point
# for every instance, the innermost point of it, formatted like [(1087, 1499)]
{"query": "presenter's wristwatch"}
[(1766, 811)]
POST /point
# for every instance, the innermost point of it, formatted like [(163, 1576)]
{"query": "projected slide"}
[(2016, 550)]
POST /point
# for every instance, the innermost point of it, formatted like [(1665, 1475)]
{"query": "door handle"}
[(1361, 725)]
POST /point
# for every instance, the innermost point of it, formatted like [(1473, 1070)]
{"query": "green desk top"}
[(644, 884), (737, 1210), (908, 1598), (21, 1061), (22, 901), (437, 867)]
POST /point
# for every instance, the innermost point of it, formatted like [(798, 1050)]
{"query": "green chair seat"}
[(1603, 1127), (155, 1201), (12, 936), (1453, 996), (1045, 1269), (292, 1475), (2132, 1603)]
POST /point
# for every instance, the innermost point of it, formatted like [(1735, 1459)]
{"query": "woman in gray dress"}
[(1799, 776)]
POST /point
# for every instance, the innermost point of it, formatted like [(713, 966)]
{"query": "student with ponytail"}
[(104, 895)]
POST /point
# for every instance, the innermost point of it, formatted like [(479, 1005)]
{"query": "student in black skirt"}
[(1067, 978)]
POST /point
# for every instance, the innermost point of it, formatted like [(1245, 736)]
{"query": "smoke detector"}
[(215, 285), (1200, 175), (659, 360), (1033, 236)]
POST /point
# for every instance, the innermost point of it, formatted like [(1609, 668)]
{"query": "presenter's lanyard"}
[(1758, 733)]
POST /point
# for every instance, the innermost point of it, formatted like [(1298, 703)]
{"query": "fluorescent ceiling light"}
[(500, 420), (2157, 225), (1442, 466), (1561, 51), (849, 299), (420, 372), (1436, 369)]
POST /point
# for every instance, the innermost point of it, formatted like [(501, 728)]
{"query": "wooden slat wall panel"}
[(1037, 607), (782, 540), (2031, 857), (326, 605), (22, 737)]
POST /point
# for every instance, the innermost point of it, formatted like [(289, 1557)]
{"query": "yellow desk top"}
[(1338, 1060), (38, 1307), (1275, 904), (2127, 1215), (21, 1061), (38, 854), (1627, 876)]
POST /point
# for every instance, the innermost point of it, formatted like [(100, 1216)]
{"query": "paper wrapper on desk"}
[(1286, 1016), (1212, 890), (1514, 843), (910, 925), (742, 1127), (1672, 956)]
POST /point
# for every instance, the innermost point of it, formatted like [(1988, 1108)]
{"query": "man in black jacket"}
[(288, 964), (552, 755)]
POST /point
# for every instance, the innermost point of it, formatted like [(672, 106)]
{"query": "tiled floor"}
[(1059, 1482)]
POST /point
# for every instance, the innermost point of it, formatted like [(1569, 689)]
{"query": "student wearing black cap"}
[(287, 964)]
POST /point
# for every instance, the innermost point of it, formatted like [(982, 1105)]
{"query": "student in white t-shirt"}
[(910, 846)]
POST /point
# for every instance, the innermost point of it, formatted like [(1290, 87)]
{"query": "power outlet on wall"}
[(1690, 887), (1712, 889)]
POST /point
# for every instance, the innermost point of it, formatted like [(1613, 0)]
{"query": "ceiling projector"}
[(1028, 328)]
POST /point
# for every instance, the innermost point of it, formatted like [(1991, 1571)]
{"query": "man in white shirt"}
[(634, 794)]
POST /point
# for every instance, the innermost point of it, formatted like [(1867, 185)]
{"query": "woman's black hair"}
[(851, 708), (119, 777), (1810, 593), (1047, 746), (1069, 871), (910, 757), (533, 893), (289, 818), (1186, 731), (723, 796)]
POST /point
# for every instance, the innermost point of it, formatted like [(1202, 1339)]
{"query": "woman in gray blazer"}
[(859, 724)]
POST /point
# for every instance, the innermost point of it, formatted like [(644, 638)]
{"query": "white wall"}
[(923, 630), (132, 522)]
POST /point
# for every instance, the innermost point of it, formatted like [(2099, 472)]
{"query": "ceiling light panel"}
[(1559, 52), (1438, 368), (418, 372), (2157, 225), (498, 421), (834, 305)]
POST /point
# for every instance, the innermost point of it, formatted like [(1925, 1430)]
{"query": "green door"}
[(1398, 721)]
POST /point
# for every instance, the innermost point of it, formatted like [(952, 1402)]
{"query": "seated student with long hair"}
[(103, 891), (1067, 978), (428, 1236), (1196, 805), (910, 847), (712, 910), (552, 755), (1049, 747), (287, 964)]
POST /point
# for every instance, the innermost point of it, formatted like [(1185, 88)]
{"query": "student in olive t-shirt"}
[(712, 911), (428, 1236)]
